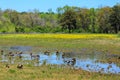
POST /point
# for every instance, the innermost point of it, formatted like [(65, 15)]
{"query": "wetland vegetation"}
[(96, 56)]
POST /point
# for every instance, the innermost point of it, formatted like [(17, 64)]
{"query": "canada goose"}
[(10, 54), (71, 62), (19, 54), (73, 59), (110, 62), (47, 52), (7, 66), (87, 65), (20, 66), (110, 66), (2, 52), (57, 52), (34, 56), (63, 55)]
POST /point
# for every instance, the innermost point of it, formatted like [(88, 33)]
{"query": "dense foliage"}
[(67, 19)]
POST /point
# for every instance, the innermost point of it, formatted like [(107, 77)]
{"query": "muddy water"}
[(85, 62)]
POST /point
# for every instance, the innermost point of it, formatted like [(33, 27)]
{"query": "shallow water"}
[(85, 62), (20, 48)]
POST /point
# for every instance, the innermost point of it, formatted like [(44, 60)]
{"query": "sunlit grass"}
[(50, 72), (104, 42), (62, 36)]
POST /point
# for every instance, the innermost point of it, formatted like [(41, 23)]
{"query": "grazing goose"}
[(57, 52), (2, 52), (20, 66), (7, 66), (19, 54), (110, 62), (10, 54)]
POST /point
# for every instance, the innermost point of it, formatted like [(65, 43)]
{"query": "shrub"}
[(12, 71)]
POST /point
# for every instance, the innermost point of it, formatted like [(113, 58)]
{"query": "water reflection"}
[(87, 63), (21, 48), (91, 65)]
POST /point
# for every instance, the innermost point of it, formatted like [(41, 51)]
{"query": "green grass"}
[(48, 72), (104, 44)]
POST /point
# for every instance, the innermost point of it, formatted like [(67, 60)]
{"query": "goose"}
[(20, 66), (63, 55), (19, 54), (34, 56), (10, 54), (57, 52), (7, 66), (47, 52), (71, 62), (2, 52)]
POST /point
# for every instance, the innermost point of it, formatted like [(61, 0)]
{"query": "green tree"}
[(103, 17), (68, 20), (92, 19), (83, 19), (115, 18)]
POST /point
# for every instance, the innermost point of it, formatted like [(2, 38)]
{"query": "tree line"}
[(67, 19)]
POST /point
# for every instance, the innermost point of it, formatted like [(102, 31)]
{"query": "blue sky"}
[(44, 5)]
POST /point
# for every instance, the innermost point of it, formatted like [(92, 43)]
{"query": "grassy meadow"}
[(107, 43), (104, 42), (48, 72)]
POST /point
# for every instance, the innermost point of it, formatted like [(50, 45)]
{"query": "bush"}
[(12, 71), (19, 29), (4, 31), (46, 29)]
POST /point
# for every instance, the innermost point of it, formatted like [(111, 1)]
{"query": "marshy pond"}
[(95, 61)]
